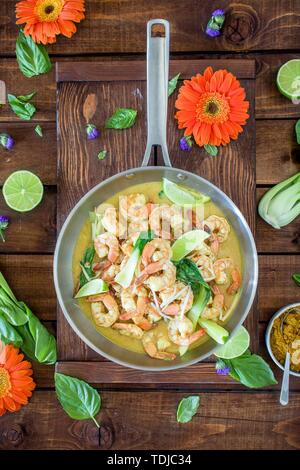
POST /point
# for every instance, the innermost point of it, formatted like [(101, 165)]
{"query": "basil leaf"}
[(26, 98), (87, 272), (173, 84), (123, 118), (45, 343), (101, 155), (296, 278), (33, 59), (188, 272), (143, 239), (22, 109), (38, 129), (78, 398), (8, 334), (297, 130), (211, 150), (187, 408)]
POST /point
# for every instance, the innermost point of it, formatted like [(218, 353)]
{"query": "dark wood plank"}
[(30, 152), (147, 420), (119, 26), (271, 240), (34, 231), (276, 161), (31, 278)]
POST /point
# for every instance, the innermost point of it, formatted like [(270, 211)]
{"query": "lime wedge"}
[(23, 191), (93, 287), (235, 346), (188, 242), (288, 79), (182, 196)]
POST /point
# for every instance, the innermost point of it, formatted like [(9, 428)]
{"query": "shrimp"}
[(110, 272), (181, 331), (203, 250), (218, 226), (134, 300), (157, 282), (214, 310), (176, 299), (128, 329), (110, 220), (154, 343), (156, 250), (134, 207), (205, 264), (107, 244), (236, 282), (164, 217), (220, 266), (104, 308)]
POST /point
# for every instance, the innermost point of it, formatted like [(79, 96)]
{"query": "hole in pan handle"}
[(157, 89)]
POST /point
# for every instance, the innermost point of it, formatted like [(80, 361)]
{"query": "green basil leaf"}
[(187, 408), (252, 370), (123, 118), (8, 334), (297, 130), (211, 150), (12, 312), (26, 98), (38, 129), (101, 155), (23, 110), (33, 59), (296, 278), (78, 398), (173, 84), (188, 272)]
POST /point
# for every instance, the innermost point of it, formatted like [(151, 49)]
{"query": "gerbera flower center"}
[(48, 10), (212, 108), (5, 384)]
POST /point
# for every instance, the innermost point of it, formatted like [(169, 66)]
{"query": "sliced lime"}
[(288, 79), (188, 242), (93, 287), (23, 191), (182, 196), (235, 346)]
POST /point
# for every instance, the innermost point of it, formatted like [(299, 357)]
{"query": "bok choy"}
[(281, 204)]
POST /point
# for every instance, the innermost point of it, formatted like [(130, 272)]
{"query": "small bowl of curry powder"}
[(283, 335)]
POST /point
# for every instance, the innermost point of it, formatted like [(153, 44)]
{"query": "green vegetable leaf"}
[(101, 155), (143, 239), (187, 408), (173, 84), (21, 107), (123, 118), (26, 98), (11, 311), (38, 129), (33, 59), (211, 150), (199, 303), (78, 398), (215, 331), (297, 130), (161, 194), (87, 272), (8, 334), (188, 272), (296, 278)]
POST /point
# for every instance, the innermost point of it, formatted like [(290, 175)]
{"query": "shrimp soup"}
[(146, 306)]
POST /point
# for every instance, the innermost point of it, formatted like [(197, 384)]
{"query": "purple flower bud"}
[(218, 12), (4, 221), (92, 132), (212, 32), (185, 143), (223, 371), (7, 141)]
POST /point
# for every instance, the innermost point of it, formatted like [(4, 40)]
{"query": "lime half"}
[(93, 287), (23, 191), (188, 242), (288, 79), (235, 346), (182, 196)]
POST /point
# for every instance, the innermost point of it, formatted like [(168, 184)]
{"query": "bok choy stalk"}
[(215, 331), (19, 326), (97, 227), (281, 204), (125, 276)]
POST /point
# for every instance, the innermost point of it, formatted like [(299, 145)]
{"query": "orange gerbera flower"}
[(212, 107), (16, 383), (47, 18)]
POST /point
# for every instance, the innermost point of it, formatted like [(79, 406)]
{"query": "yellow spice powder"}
[(288, 339)]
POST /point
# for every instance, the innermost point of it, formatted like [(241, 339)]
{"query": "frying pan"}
[(157, 99)]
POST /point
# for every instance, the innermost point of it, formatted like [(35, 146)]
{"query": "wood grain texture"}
[(30, 151), (271, 240), (119, 26), (34, 231), (147, 420)]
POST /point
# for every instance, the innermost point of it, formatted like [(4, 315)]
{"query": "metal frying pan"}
[(157, 83)]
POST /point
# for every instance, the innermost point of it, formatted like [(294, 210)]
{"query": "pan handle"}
[(157, 90)]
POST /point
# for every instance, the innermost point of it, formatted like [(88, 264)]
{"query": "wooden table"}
[(144, 417)]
